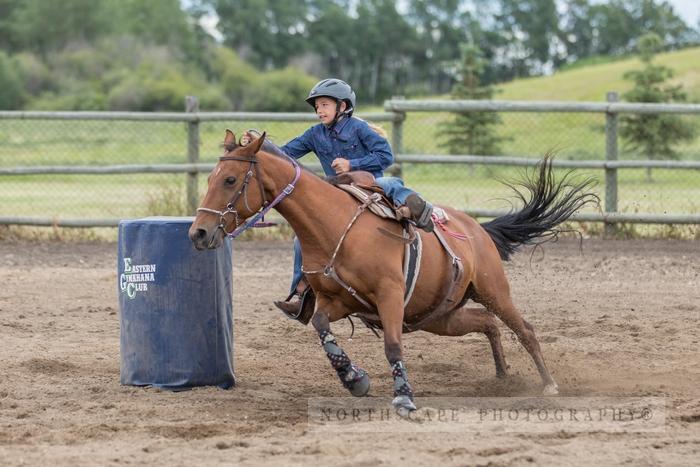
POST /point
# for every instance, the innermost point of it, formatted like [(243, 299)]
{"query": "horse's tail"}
[(550, 204)]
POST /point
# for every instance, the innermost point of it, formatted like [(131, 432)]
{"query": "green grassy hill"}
[(592, 82), (572, 135)]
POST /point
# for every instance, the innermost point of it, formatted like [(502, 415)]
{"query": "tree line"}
[(265, 54), (414, 46)]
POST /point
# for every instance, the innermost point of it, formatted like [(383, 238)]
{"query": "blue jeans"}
[(296, 277), (395, 191)]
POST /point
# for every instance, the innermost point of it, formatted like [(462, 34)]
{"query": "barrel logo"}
[(136, 277)]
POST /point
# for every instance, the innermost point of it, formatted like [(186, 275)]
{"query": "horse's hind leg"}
[(466, 320), (500, 304), (353, 378)]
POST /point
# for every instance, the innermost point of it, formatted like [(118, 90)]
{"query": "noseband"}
[(243, 191)]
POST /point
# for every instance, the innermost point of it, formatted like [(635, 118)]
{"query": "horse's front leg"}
[(391, 314), (353, 378)]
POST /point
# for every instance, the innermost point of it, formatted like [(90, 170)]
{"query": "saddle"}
[(362, 186)]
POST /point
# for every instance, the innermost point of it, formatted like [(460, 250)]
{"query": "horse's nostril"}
[(197, 234)]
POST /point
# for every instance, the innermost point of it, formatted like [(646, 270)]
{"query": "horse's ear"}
[(230, 139), (257, 144)]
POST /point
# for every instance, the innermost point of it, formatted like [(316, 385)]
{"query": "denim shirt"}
[(351, 139)]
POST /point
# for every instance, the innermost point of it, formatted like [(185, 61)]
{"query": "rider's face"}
[(325, 109)]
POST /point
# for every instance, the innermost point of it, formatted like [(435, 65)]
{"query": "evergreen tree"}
[(654, 134), (471, 132)]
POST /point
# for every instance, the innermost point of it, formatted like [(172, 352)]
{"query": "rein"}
[(243, 191)]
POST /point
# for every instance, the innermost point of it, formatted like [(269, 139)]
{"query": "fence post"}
[(192, 106), (611, 155), (397, 136)]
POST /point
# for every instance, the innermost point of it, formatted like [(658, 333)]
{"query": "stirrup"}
[(420, 212), (425, 221), (306, 308)]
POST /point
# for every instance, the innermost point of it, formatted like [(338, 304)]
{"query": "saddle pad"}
[(379, 206)]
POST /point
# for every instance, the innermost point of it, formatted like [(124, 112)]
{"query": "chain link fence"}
[(46, 159), (468, 186)]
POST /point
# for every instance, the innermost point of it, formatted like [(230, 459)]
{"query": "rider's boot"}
[(300, 304), (421, 212)]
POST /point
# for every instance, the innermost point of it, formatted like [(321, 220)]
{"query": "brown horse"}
[(348, 261)]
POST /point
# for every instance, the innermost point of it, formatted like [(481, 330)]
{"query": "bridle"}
[(243, 191)]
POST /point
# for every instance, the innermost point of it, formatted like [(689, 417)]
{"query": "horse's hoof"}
[(357, 382), (360, 387), (551, 390), (403, 405)]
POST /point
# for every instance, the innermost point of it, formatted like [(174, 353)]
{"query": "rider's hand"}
[(245, 139), (341, 165)]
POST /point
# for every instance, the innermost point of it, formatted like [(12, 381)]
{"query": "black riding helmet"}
[(335, 89)]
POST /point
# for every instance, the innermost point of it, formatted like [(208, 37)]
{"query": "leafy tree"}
[(331, 31), (265, 32), (8, 41), (11, 89), (440, 27), (280, 90), (36, 76), (235, 75), (654, 134), (472, 132), (533, 28), (155, 21), (382, 42), (618, 23), (577, 30), (42, 27)]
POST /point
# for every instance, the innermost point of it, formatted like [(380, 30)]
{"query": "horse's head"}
[(235, 193)]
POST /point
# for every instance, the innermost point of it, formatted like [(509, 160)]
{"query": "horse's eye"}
[(230, 181)]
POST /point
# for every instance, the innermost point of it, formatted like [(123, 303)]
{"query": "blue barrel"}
[(175, 307)]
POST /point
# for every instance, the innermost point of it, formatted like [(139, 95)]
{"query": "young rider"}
[(345, 143)]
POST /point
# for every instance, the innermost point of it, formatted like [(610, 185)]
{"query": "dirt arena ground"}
[(619, 318)]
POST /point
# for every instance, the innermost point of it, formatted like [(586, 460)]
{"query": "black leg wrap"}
[(348, 373), (335, 354), (401, 385)]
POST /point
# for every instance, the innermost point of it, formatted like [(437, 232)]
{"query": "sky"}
[(689, 10)]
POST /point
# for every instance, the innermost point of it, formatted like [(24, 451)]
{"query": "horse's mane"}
[(271, 148), (267, 146)]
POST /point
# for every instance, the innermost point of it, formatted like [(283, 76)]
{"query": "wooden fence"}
[(395, 114)]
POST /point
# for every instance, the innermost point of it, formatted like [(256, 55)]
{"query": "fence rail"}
[(194, 116), (396, 113), (412, 159), (614, 218), (612, 107)]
